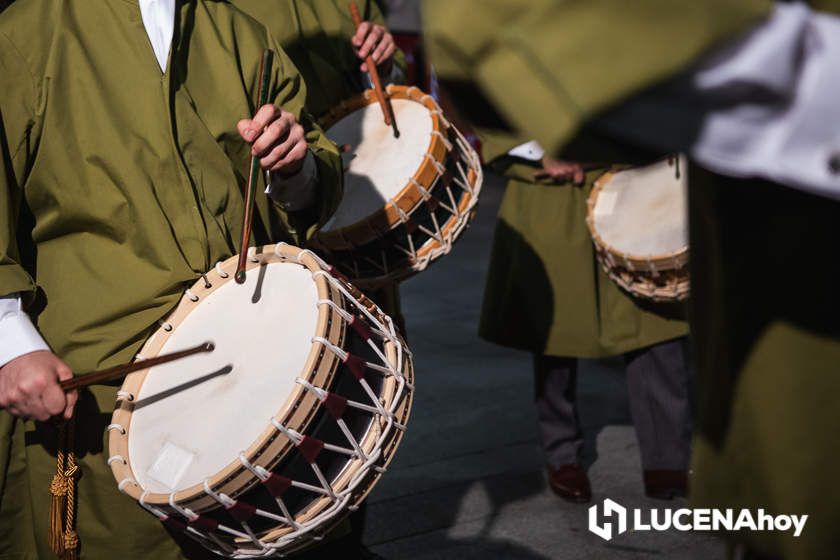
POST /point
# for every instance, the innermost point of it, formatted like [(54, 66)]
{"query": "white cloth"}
[(531, 151), (159, 21), (764, 106), (18, 336)]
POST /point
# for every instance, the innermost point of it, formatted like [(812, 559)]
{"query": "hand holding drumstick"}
[(370, 65)]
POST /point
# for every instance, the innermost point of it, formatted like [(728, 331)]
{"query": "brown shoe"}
[(570, 483), (665, 484)]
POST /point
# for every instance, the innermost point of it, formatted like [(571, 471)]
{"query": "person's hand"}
[(276, 138), (374, 40), (29, 387), (560, 171)]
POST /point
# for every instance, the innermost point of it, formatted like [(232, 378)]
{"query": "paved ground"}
[(468, 482)]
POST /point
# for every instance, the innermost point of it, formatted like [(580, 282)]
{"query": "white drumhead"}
[(181, 434), (378, 165), (643, 211)]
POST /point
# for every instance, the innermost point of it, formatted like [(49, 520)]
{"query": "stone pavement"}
[(467, 482)]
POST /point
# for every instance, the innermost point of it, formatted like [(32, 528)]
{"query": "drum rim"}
[(674, 260), (268, 448)]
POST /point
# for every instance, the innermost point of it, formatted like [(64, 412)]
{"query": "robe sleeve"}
[(543, 68), (290, 93), (18, 98)]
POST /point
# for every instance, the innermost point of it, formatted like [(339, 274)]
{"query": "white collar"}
[(159, 21)]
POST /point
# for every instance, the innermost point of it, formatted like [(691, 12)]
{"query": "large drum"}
[(639, 225), (407, 199), (263, 445)]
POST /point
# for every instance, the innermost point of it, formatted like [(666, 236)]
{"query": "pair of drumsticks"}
[(120, 371)]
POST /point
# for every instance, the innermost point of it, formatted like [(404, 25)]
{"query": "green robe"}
[(316, 35), (545, 291), (542, 68), (120, 186)]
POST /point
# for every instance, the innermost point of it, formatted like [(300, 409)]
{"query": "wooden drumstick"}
[(384, 101), (250, 193), (120, 371)]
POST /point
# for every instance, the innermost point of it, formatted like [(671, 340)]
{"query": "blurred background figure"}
[(546, 294), (742, 87)]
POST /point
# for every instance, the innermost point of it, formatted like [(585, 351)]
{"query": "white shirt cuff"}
[(298, 191), (18, 336), (532, 151)]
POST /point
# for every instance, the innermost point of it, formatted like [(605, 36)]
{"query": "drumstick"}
[(384, 101), (262, 96), (117, 372)]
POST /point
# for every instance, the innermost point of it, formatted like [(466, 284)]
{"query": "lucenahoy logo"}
[(612, 520)]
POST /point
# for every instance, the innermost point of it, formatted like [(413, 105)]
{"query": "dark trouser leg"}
[(657, 383), (555, 382)]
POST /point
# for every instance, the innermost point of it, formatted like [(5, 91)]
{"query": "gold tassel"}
[(58, 504), (63, 539)]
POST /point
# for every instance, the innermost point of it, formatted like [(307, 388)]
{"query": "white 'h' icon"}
[(610, 508)]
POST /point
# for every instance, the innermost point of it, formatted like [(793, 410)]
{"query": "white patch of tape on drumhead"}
[(170, 465), (605, 205)]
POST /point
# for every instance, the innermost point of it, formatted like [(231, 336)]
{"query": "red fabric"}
[(411, 226), (204, 522), (412, 45), (241, 511), (336, 405), (356, 365), (277, 484), (174, 523), (334, 271), (360, 327), (310, 448)]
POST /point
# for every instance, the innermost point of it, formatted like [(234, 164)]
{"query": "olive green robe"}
[(545, 291), (541, 68), (316, 35), (120, 186)]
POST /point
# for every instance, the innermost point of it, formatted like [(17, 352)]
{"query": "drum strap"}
[(63, 539)]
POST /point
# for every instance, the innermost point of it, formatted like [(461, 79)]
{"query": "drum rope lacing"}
[(204, 528)]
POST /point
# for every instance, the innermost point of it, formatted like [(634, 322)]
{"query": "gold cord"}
[(63, 539)]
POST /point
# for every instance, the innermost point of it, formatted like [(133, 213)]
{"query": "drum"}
[(639, 225), (407, 199), (263, 445)]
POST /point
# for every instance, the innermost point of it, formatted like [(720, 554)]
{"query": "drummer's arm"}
[(304, 166), (29, 372)]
